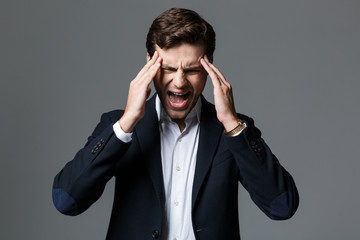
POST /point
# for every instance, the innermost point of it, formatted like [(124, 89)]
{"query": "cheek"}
[(157, 82), (160, 81), (199, 84)]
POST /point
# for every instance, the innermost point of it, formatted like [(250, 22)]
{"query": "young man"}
[(177, 159)]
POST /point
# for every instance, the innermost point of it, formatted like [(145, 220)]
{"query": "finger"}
[(215, 79), (150, 63), (217, 71), (151, 73)]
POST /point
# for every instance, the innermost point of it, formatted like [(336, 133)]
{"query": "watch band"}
[(237, 129)]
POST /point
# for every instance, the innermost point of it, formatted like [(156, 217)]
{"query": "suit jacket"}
[(139, 202)]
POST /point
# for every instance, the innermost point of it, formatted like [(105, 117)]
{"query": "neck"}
[(181, 123)]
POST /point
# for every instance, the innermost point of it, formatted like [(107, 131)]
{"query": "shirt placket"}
[(178, 188)]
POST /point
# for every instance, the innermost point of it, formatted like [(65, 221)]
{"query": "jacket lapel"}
[(210, 133), (147, 131), (148, 135)]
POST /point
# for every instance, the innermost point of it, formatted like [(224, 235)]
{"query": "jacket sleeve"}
[(270, 186), (82, 181)]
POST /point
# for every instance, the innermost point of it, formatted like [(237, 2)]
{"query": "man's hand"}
[(139, 91), (223, 97)]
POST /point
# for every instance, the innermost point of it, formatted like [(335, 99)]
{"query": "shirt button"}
[(155, 234), (176, 203), (180, 139), (178, 168)]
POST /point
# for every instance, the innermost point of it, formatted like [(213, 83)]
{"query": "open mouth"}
[(178, 100)]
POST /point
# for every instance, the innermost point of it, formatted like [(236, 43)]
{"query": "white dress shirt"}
[(178, 157), (178, 154)]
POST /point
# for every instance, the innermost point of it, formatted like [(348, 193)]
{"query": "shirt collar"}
[(162, 115)]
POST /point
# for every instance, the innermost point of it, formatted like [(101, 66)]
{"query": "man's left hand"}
[(223, 97)]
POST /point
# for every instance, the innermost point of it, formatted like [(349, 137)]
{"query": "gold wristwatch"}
[(237, 129)]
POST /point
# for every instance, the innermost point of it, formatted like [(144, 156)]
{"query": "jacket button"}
[(155, 234), (257, 149)]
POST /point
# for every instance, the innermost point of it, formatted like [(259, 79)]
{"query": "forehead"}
[(182, 55)]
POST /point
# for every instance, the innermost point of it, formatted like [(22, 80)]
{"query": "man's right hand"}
[(139, 91)]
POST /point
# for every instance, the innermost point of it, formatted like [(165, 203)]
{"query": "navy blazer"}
[(139, 202)]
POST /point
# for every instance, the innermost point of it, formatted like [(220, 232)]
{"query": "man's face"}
[(181, 79)]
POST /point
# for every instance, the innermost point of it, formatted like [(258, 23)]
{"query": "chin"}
[(176, 115)]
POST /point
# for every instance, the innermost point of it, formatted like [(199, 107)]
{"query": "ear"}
[(148, 57)]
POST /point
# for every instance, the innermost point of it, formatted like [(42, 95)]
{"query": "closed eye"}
[(169, 70), (192, 71)]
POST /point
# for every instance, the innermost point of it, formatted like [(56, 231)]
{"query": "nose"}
[(179, 80)]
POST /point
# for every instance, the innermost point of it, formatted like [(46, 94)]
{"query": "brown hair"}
[(176, 26)]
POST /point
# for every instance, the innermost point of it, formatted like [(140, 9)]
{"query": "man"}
[(177, 158)]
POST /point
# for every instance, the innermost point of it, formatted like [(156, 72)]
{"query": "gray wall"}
[(294, 67)]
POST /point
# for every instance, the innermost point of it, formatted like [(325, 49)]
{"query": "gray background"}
[(294, 67)]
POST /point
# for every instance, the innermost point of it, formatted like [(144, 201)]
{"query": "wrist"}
[(230, 123), (126, 124), (238, 128)]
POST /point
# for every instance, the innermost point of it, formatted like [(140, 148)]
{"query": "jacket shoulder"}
[(112, 116)]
